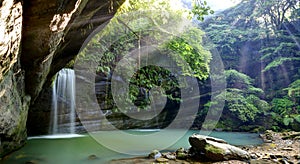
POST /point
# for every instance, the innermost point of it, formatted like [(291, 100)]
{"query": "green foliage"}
[(200, 9), (242, 99), (261, 39), (243, 107), (282, 106), (278, 62), (284, 112), (148, 20), (287, 120), (294, 89), (237, 79), (297, 118), (189, 47), (148, 78), (275, 12)]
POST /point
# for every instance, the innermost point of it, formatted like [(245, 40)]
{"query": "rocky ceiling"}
[(53, 32)]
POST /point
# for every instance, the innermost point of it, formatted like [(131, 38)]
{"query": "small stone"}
[(92, 157), (266, 157), (283, 161), (260, 162), (181, 150), (253, 156), (161, 160), (272, 156), (297, 156), (181, 153), (154, 154), (287, 149), (169, 156)]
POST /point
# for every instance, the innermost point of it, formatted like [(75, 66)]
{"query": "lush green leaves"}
[(200, 9), (152, 23), (278, 62)]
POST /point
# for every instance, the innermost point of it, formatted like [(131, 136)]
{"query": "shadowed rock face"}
[(13, 100), (53, 33), (37, 39)]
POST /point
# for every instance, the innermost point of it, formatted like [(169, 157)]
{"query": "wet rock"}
[(13, 100), (154, 154), (284, 161), (181, 153), (169, 156), (216, 149), (261, 161), (267, 136), (292, 135), (253, 156), (287, 149), (161, 160), (297, 156)]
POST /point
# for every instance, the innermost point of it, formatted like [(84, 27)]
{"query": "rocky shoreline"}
[(283, 148)]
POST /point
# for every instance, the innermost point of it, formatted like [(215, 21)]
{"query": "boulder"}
[(215, 149)]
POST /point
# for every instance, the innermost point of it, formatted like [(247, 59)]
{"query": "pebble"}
[(161, 160), (297, 156), (287, 149), (169, 156), (154, 154)]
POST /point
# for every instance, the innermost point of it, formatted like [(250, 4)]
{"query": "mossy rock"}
[(213, 149), (154, 154)]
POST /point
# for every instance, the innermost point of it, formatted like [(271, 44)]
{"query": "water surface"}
[(76, 149)]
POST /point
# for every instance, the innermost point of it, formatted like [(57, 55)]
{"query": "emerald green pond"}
[(76, 149)]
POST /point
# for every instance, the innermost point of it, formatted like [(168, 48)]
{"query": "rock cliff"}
[(13, 99), (37, 39)]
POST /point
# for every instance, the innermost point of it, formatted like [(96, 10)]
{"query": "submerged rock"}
[(215, 149), (92, 157)]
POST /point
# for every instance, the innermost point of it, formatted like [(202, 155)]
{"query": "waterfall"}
[(63, 103)]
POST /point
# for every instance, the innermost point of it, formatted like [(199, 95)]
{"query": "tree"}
[(243, 102), (275, 12), (144, 23)]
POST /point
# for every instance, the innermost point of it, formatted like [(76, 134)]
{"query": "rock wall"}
[(69, 24), (13, 99), (50, 33), (53, 34)]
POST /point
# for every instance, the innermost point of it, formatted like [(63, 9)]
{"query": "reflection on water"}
[(78, 148)]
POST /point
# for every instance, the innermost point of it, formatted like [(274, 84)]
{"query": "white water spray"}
[(63, 102)]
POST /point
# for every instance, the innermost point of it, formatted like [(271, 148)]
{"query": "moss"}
[(213, 149)]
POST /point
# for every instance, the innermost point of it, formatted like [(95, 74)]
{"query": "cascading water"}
[(63, 103)]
